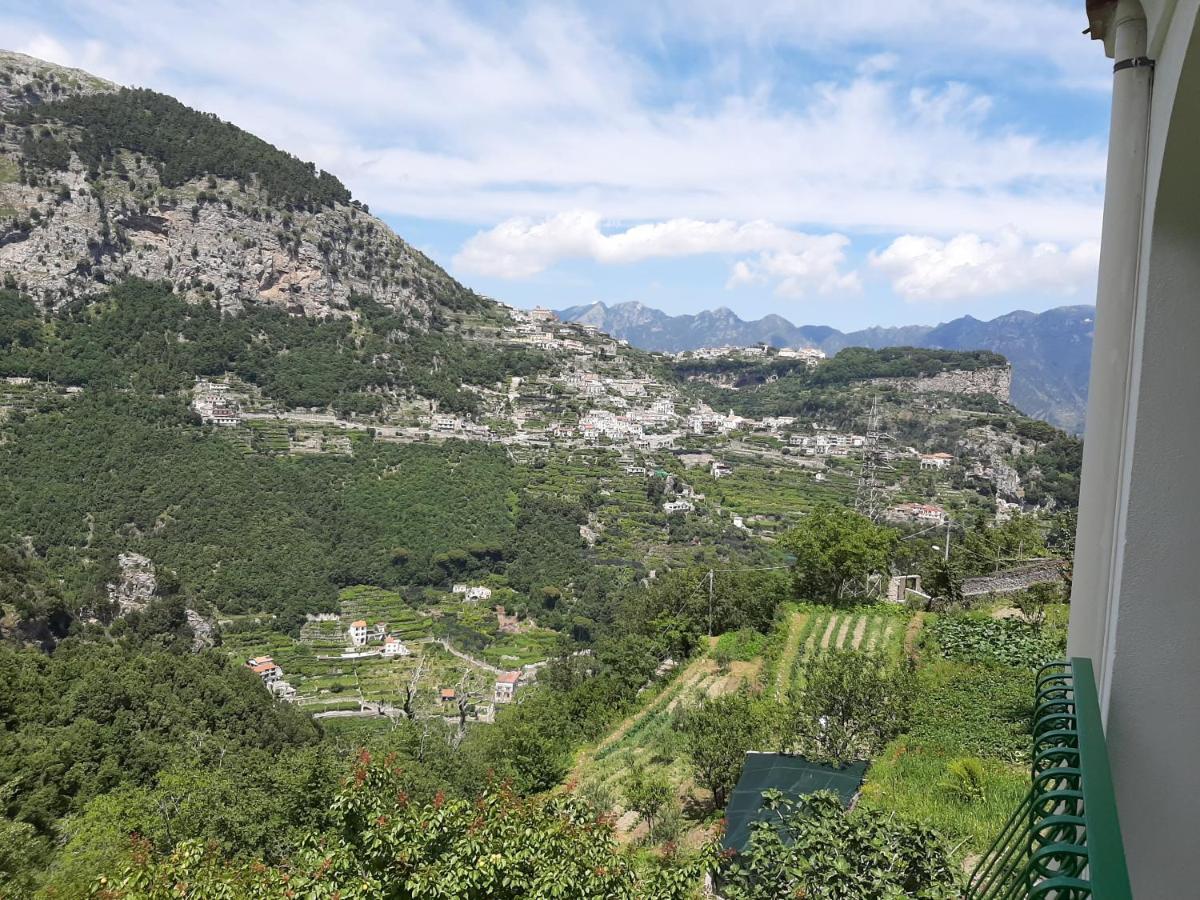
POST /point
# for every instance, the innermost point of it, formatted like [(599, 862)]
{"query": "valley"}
[(301, 538)]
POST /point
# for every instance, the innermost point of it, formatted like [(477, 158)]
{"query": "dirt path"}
[(787, 659), (833, 621), (912, 633), (860, 628), (696, 670)]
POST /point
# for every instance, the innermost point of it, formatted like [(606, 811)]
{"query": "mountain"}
[(100, 183), (1050, 351)]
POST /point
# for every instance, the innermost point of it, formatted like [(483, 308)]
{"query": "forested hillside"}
[(322, 575)]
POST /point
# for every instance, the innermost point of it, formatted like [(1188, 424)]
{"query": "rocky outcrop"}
[(993, 380), (26, 80), (136, 585), (68, 230), (204, 631)]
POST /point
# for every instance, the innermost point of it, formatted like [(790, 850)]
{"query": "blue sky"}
[(850, 163)]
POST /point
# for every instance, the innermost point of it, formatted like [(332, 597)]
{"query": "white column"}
[(1109, 390)]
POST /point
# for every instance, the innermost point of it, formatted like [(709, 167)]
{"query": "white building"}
[(393, 646), (265, 668), (1135, 603), (506, 686), (357, 632), (936, 460), (677, 506)]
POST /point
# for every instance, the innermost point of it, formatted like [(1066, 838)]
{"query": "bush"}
[(980, 639), (813, 848), (966, 779)]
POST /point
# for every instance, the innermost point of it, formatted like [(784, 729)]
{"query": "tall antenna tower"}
[(876, 458)]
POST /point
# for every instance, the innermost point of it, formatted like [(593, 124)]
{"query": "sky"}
[(865, 162)]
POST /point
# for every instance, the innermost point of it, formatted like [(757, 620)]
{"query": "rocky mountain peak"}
[(222, 215), (29, 81)]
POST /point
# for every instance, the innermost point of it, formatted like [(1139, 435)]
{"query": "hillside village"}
[(599, 396)]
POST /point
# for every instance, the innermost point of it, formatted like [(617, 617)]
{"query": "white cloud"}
[(444, 111), (796, 273), (794, 261), (967, 266)]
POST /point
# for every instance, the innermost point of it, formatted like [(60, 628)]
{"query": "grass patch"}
[(962, 710)]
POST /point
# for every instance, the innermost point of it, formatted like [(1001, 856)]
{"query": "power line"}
[(875, 459)]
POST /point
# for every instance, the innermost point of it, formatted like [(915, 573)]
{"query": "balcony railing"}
[(1064, 841)]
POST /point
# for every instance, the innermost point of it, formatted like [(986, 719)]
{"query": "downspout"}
[(1094, 596)]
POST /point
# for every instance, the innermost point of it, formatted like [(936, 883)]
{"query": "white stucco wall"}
[(1142, 625)]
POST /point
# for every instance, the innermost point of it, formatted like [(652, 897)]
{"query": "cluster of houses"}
[(827, 443), (360, 635), (810, 355), (916, 513), (541, 328), (503, 691), (211, 401)]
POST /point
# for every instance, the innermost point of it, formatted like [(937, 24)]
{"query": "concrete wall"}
[(1141, 620)]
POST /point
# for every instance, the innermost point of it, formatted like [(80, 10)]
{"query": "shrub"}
[(966, 779), (980, 639), (813, 848), (743, 645)]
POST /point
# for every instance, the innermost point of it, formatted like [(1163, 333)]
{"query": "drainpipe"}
[(1094, 585)]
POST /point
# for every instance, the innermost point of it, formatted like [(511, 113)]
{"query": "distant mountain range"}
[(1050, 351)]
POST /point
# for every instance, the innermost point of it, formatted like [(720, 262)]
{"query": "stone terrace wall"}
[(1010, 581)]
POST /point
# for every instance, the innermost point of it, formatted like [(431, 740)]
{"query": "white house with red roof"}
[(506, 686)]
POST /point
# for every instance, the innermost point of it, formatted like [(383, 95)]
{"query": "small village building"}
[(266, 669), (358, 633), (477, 593), (393, 646), (506, 686), (677, 506), (225, 416), (447, 695), (720, 470), (936, 460)]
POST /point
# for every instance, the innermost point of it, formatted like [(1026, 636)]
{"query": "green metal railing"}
[(1064, 841)]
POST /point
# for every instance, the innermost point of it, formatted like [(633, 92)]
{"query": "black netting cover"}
[(795, 776)]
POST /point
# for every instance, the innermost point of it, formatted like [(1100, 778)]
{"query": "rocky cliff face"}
[(994, 380), (67, 228)]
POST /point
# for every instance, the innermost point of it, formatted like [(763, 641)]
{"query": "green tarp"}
[(795, 776)]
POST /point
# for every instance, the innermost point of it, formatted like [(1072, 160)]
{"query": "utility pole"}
[(710, 602), (947, 556)]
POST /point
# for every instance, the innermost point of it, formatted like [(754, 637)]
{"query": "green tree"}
[(716, 734), (851, 705), (836, 549), (382, 845), (813, 848), (647, 794)]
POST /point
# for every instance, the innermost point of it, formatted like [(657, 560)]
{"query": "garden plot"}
[(824, 629), (648, 739)]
